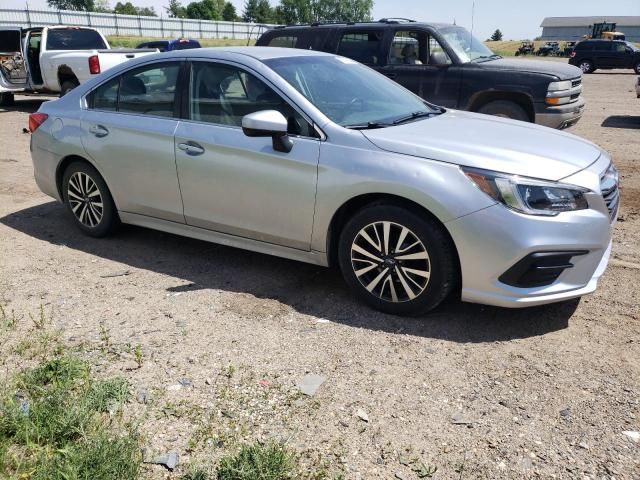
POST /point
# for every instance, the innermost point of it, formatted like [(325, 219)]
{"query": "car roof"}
[(382, 25), (258, 53)]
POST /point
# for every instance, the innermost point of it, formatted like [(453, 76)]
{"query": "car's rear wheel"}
[(586, 66), (88, 200), (67, 86), (505, 109), (636, 68), (396, 261), (6, 99)]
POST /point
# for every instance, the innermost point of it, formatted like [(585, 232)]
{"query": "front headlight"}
[(528, 195), (559, 86)]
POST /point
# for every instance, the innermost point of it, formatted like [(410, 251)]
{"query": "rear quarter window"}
[(284, 40)]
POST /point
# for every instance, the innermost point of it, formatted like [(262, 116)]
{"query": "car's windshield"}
[(467, 47), (632, 46), (350, 94)]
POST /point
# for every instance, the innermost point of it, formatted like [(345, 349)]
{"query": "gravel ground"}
[(215, 341)]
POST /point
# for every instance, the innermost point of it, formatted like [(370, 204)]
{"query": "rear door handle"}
[(99, 131), (391, 75), (191, 148)]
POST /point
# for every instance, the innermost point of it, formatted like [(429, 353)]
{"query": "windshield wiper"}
[(413, 116), (486, 58), (366, 126)]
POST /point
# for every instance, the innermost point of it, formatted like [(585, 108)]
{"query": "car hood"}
[(491, 143), (563, 71)]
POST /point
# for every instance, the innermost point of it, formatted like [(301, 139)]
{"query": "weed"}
[(270, 461), (52, 425), (424, 471), (137, 353), (230, 371), (8, 320), (195, 474), (105, 337)]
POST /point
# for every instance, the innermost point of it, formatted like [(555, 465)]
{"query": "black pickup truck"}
[(446, 65)]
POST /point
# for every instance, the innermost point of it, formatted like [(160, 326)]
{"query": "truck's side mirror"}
[(268, 123)]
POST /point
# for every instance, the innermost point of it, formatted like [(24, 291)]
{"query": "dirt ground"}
[(214, 342)]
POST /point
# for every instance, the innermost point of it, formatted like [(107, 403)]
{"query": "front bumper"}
[(562, 116), (493, 240)]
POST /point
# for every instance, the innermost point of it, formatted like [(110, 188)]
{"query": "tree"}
[(264, 12), (102, 6), (229, 13), (497, 36), (129, 9), (307, 11), (250, 11), (203, 10), (175, 9), (81, 5)]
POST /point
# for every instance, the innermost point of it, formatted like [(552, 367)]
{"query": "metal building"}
[(575, 28)]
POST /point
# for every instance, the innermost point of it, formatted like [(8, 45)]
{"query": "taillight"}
[(573, 54), (36, 119), (94, 64)]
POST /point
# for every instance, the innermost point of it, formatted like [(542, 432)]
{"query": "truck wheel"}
[(586, 66), (67, 86), (505, 109), (6, 99)]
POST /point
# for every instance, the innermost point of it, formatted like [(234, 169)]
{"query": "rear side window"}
[(584, 47), (149, 90), (105, 97), (362, 46), (74, 39), (287, 41), (604, 46)]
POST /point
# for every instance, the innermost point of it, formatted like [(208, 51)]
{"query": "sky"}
[(516, 19)]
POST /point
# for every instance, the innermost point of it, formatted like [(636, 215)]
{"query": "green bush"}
[(258, 462)]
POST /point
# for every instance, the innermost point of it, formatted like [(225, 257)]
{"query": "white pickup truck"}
[(54, 59)]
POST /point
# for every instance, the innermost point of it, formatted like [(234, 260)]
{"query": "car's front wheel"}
[(636, 68), (505, 109), (397, 261), (89, 201)]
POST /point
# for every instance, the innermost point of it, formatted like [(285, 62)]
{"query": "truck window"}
[(362, 46), (285, 40), (408, 48), (74, 39)]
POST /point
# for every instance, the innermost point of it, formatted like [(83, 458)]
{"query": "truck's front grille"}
[(576, 83), (610, 191)]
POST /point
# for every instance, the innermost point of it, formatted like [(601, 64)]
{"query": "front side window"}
[(74, 39), (223, 94), (286, 41), (362, 46), (149, 90), (620, 47)]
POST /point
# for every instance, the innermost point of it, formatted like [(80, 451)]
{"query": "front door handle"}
[(99, 131), (391, 75), (191, 148)]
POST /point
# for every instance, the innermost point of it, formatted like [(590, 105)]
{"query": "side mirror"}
[(268, 123)]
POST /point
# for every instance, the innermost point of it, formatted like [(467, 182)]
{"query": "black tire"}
[(6, 99), (506, 109), (109, 220), (636, 68), (67, 86), (441, 263), (586, 66)]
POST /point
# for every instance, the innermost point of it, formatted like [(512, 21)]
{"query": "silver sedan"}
[(317, 158)]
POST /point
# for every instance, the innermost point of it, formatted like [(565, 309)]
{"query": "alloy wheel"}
[(85, 199), (585, 67), (390, 262)]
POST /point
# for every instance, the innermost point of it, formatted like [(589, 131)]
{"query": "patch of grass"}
[(196, 474), (55, 425), (8, 320), (270, 461)]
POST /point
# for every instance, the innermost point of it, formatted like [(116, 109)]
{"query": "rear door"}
[(13, 68), (604, 54), (128, 130)]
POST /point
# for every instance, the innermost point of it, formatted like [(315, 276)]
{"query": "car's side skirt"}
[(316, 258)]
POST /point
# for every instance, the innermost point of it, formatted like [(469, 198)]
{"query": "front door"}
[(238, 185), (128, 130), (418, 62)]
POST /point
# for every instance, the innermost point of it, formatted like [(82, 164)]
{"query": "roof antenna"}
[(473, 15)]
